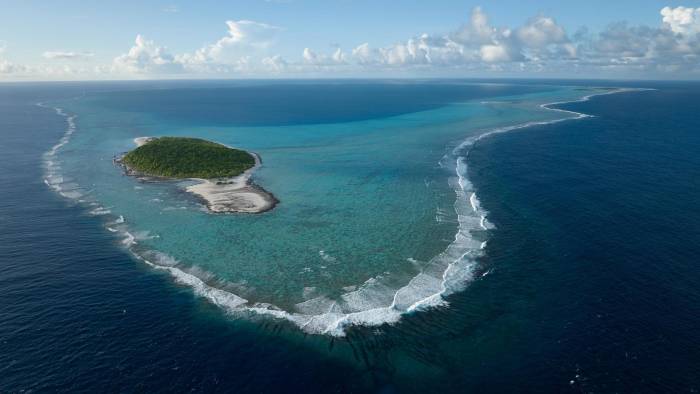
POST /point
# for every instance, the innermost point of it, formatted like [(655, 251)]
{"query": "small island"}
[(223, 172)]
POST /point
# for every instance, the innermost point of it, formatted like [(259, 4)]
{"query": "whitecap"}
[(99, 211)]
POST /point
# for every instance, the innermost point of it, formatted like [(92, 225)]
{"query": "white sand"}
[(236, 194), (142, 140)]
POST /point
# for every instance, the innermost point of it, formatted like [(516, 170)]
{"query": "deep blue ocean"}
[(588, 281)]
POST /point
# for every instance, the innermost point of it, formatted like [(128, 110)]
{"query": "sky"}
[(106, 40)]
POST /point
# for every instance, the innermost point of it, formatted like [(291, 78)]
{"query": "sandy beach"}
[(236, 194), (142, 140)]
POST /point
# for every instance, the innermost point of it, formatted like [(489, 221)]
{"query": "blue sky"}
[(296, 38)]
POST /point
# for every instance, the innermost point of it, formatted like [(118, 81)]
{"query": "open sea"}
[(431, 236)]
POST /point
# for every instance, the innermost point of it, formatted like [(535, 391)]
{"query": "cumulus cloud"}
[(249, 32), (275, 64), (7, 67), (542, 37), (682, 20), (364, 54), (672, 47), (540, 44), (243, 36), (145, 57), (417, 51), (477, 31), (475, 43), (242, 49), (310, 57), (540, 32), (62, 55), (494, 53)]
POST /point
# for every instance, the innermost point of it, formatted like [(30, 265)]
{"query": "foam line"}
[(548, 106)]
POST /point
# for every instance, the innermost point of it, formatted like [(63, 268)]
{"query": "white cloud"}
[(540, 44), (494, 53), (339, 56), (541, 31), (541, 37), (242, 50), (7, 67), (414, 51), (477, 32), (474, 42), (62, 55), (364, 54), (310, 57), (682, 20), (145, 57), (243, 36), (275, 64), (250, 32)]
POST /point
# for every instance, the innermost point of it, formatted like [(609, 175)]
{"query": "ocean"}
[(438, 235)]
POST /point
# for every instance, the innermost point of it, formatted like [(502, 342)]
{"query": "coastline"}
[(222, 195), (236, 194)]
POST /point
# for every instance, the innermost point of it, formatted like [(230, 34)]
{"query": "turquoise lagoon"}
[(377, 216)]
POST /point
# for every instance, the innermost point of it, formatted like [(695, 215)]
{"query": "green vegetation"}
[(179, 157)]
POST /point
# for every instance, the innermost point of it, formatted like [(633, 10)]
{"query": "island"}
[(222, 173)]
